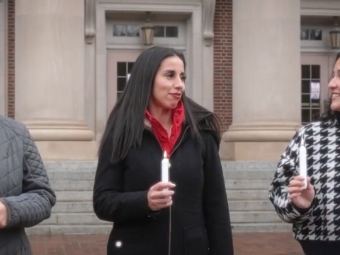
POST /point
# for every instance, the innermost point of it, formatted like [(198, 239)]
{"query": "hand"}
[(160, 196), (3, 215), (301, 198)]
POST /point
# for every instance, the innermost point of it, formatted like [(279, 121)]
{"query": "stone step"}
[(76, 196), (234, 205), (248, 165), (247, 184), (106, 229), (91, 218), (254, 217), (69, 229), (87, 185), (247, 195), (251, 205), (73, 219), (75, 175), (261, 227), (233, 170), (73, 207), (226, 165), (70, 165), (73, 196), (75, 185)]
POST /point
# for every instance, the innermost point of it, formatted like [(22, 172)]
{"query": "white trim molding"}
[(90, 12), (199, 56), (320, 8), (208, 21)]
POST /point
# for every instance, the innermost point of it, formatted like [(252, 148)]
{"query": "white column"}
[(3, 57), (50, 70), (266, 79)]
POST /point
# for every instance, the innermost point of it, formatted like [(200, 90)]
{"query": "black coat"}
[(200, 222)]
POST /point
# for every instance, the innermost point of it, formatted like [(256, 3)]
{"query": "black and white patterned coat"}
[(321, 221), (24, 186)]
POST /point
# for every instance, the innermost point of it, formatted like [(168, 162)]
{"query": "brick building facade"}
[(244, 33)]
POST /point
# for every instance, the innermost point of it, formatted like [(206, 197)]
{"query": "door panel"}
[(314, 69), (119, 65)]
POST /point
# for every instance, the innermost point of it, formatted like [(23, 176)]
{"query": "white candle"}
[(165, 168), (303, 163)]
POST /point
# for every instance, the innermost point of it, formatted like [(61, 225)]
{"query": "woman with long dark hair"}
[(153, 118), (312, 203)]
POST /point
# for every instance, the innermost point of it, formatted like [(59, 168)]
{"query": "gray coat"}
[(24, 187)]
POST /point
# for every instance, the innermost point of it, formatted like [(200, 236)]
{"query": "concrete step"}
[(247, 184), (73, 196), (247, 194), (248, 165), (87, 185), (69, 229), (234, 205), (74, 185), (251, 205), (261, 227), (106, 229), (254, 217), (73, 219), (91, 218), (75, 175), (76, 196), (73, 207), (233, 170)]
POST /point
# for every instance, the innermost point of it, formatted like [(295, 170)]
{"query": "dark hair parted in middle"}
[(125, 124)]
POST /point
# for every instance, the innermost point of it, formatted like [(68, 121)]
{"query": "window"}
[(166, 31), (123, 74), (311, 34), (126, 30), (310, 93)]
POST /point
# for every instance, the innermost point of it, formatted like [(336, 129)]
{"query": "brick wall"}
[(11, 58), (223, 62)]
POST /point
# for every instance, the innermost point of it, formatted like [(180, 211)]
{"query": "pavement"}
[(244, 244)]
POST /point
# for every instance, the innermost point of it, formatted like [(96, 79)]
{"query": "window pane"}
[(132, 31), (305, 72), (316, 34), (171, 31), (305, 86), (130, 65), (315, 72), (159, 31), (121, 68), (315, 114), (305, 100), (121, 82), (305, 115), (315, 103), (119, 30), (304, 34), (119, 95)]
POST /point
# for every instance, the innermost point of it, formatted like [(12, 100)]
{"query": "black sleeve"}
[(110, 202), (216, 209)]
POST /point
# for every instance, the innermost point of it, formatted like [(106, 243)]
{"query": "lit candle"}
[(165, 168), (303, 162)]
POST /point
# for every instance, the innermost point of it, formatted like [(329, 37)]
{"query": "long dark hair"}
[(125, 125), (329, 115)]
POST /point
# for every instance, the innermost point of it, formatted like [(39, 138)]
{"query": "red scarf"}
[(168, 142)]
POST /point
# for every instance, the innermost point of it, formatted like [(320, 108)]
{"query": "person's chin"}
[(335, 105)]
